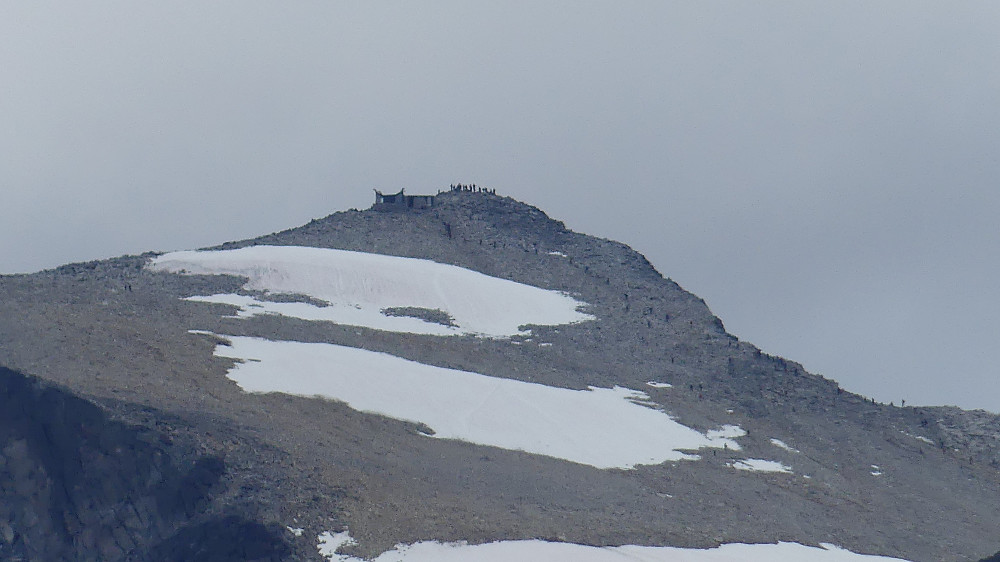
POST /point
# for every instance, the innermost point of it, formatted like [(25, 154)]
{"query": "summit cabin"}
[(401, 202)]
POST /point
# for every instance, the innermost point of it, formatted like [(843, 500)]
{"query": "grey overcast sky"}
[(823, 174)]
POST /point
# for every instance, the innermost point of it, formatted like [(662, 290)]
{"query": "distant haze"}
[(823, 174)]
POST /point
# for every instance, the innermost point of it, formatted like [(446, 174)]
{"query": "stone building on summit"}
[(401, 202)]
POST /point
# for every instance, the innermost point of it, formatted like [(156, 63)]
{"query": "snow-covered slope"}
[(357, 289), (543, 551), (601, 427)]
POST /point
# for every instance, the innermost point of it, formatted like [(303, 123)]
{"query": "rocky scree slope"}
[(118, 334)]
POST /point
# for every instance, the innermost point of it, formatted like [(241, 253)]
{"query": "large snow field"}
[(542, 551), (358, 286), (601, 427)]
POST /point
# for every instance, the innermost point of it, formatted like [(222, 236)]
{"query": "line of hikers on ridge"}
[(472, 188)]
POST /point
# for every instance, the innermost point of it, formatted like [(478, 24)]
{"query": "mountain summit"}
[(440, 372)]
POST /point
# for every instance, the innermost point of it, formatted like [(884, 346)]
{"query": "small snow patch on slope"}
[(918, 437), (535, 550), (601, 427), (328, 543), (782, 445), (726, 433), (760, 465), (359, 286)]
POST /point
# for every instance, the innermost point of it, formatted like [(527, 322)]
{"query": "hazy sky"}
[(824, 174)]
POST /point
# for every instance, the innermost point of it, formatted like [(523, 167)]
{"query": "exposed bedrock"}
[(77, 485)]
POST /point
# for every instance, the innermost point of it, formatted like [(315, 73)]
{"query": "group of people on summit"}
[(472, 188)]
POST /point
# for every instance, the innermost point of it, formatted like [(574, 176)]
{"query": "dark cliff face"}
[(76, 485)]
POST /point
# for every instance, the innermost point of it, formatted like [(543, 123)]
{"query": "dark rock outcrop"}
[(76, 485)]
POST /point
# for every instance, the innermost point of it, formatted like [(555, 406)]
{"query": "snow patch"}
[(656, 384), (918, 437), (533, 550), (727, 433), (782, 445), (358, 286), (295, 531), (760, 465), (328, 543), (876, 471), (557, 253), (601, 427)]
